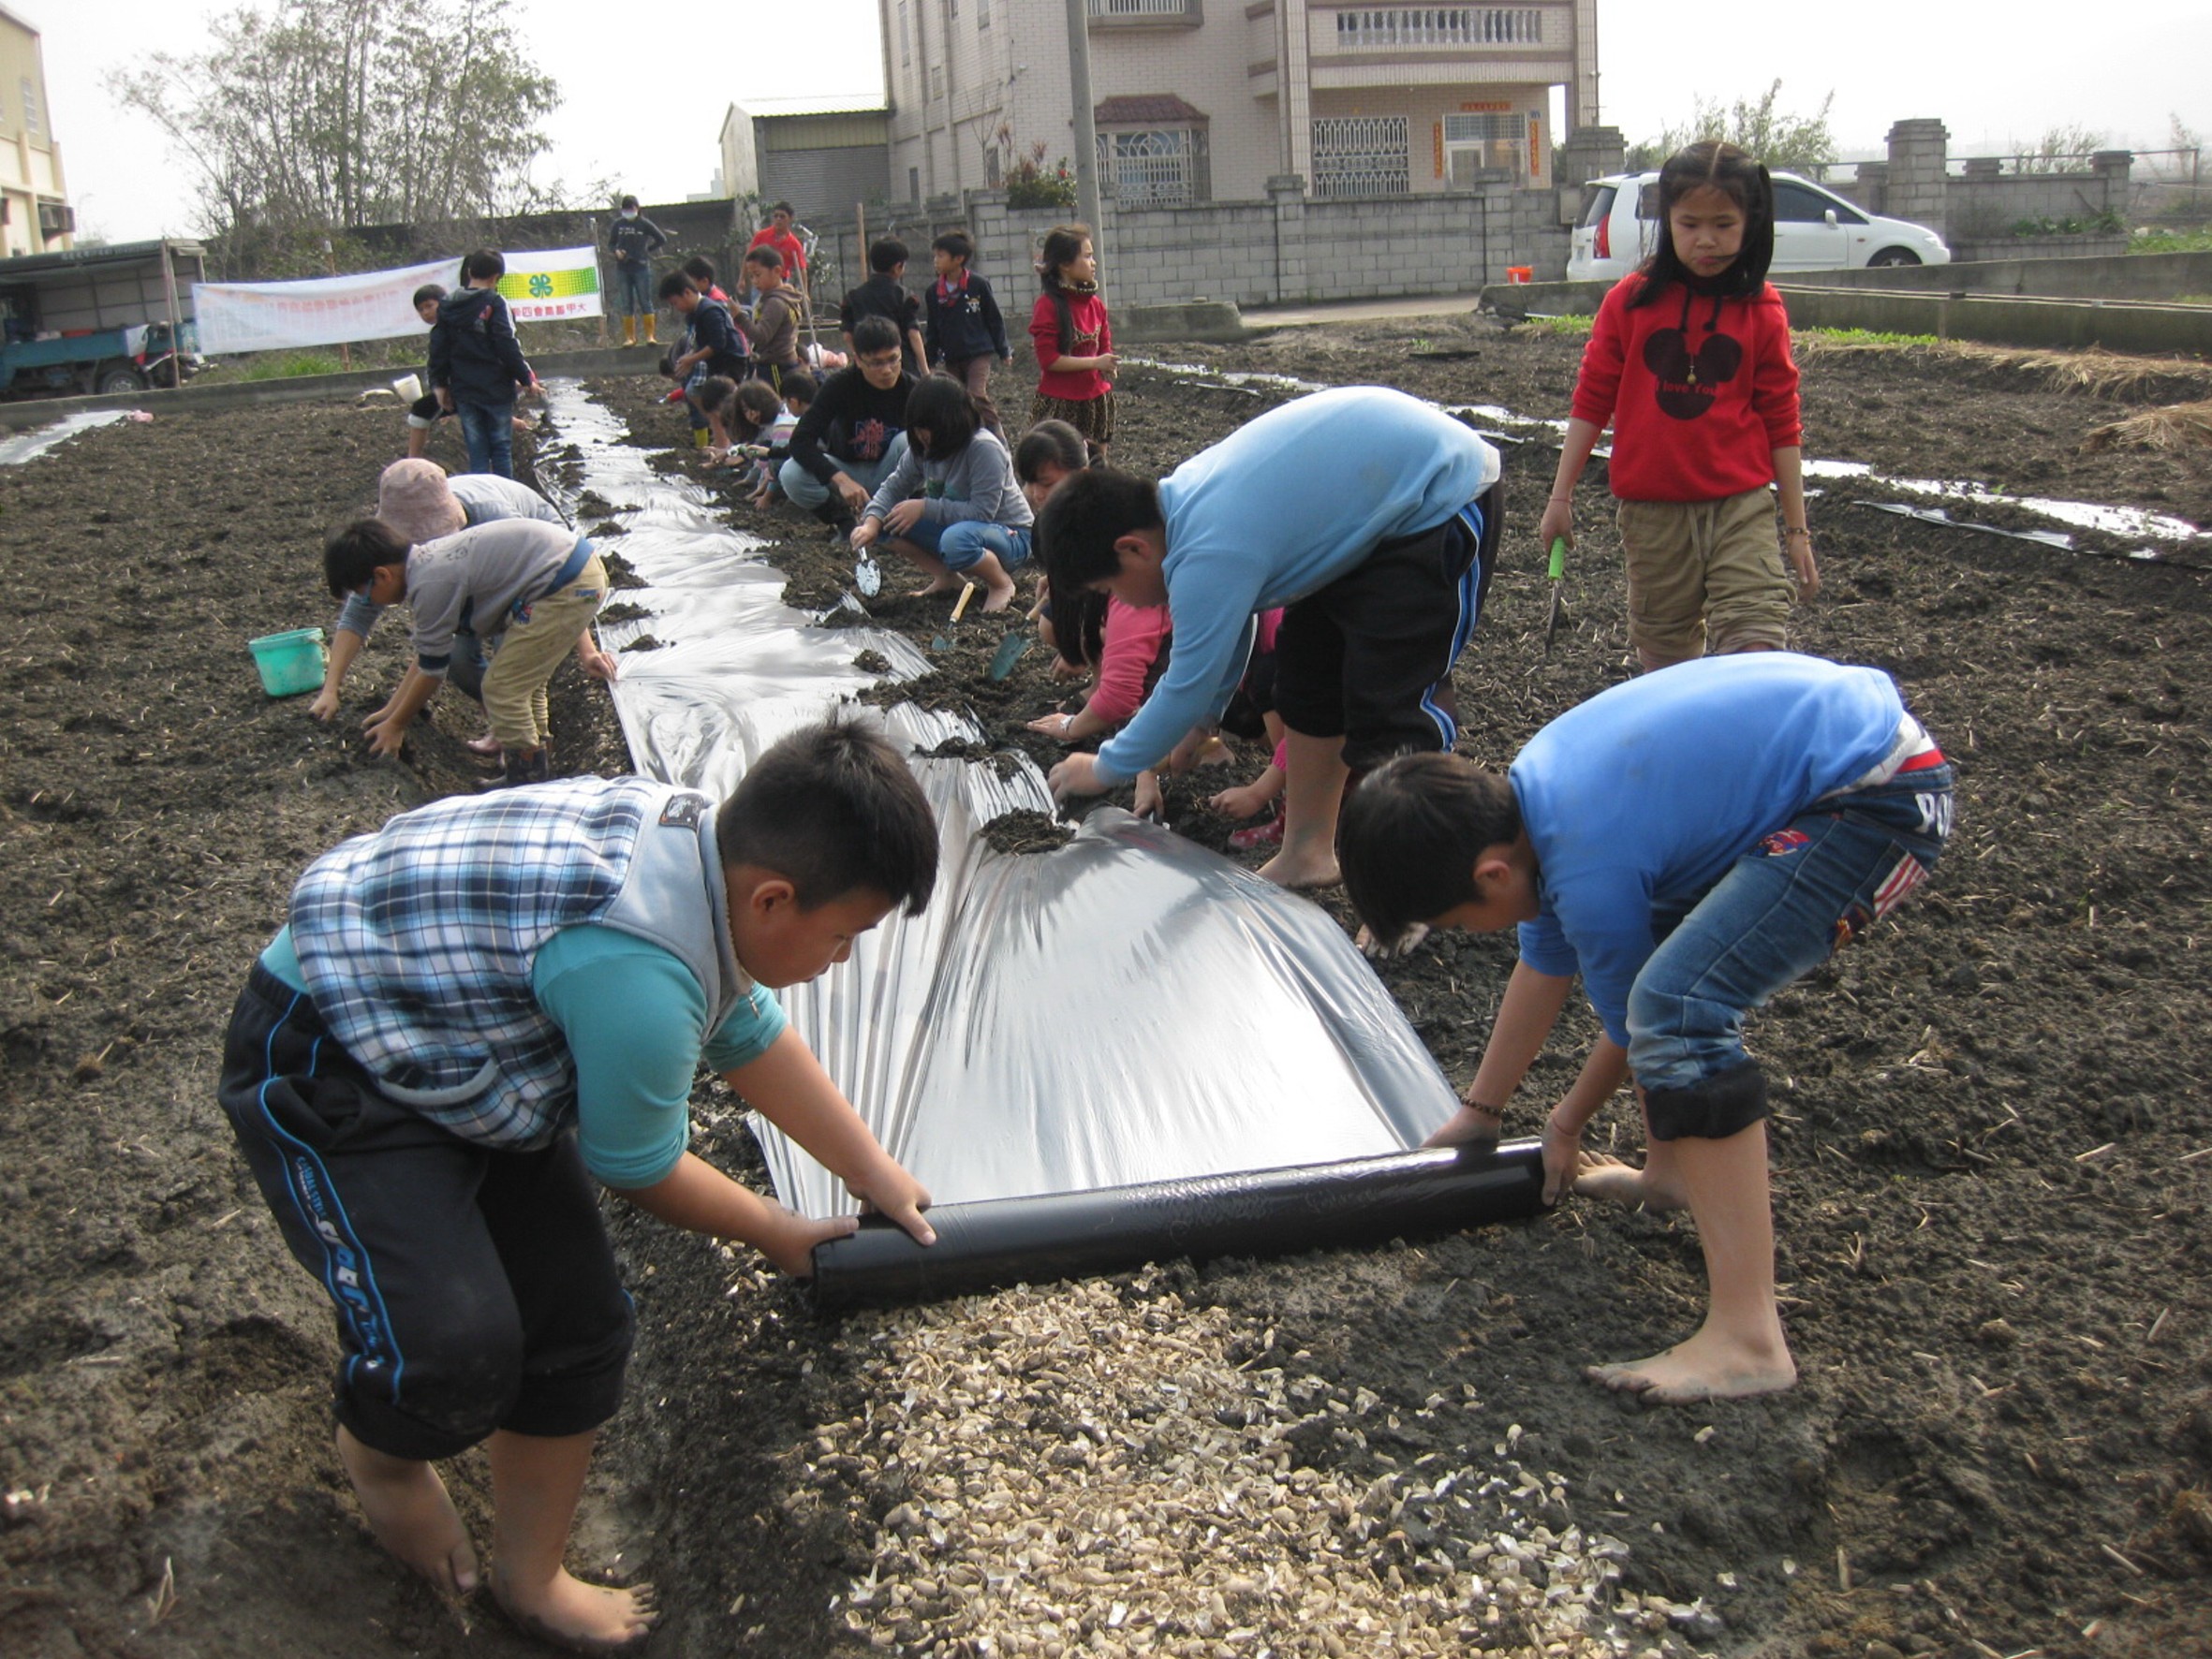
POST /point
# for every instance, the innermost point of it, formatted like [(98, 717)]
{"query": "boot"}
[(702, 439), (525, 766), (651, 318), (630, 330)]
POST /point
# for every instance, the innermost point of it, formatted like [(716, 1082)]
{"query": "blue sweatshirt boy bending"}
[(1688, 843)]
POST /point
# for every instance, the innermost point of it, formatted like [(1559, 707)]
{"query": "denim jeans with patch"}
[(1781, 910)]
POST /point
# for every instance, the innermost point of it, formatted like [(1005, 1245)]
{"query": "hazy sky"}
[(637, 112)]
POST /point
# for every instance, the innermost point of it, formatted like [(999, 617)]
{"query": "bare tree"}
[(1760, 127), (318, 115)]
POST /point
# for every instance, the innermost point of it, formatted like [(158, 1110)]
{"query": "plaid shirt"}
[(417, 941)]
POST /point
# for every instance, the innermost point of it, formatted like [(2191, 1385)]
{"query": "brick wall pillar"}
[(1293, 280), (1919, 187)]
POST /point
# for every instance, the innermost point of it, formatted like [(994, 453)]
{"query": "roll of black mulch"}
[(1000, 1241)]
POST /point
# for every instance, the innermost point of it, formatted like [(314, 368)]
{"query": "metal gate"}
[(1360, 155)]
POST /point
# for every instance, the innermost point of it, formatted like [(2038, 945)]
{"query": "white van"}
[(1815, 229)]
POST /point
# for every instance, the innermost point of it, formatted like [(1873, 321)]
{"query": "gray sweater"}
[(477, 579), (483, 498), (977, 483)]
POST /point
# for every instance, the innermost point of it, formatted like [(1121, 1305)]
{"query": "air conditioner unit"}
[(57, 218)]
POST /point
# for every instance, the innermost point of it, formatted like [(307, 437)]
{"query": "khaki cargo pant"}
[(531, 649), (1704, 575)]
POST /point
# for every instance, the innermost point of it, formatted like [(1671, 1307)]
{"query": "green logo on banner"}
[(542, 287)]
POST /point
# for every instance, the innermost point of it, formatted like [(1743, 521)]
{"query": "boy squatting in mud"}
[(1688, 842), (475, 1011)]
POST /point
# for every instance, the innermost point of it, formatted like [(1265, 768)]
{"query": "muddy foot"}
[(997, 598), (1707, 1367), (1621, 1183), (405, 1505), (936, 587), (582, 1618)]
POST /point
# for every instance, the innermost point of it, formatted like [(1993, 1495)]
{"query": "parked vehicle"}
[(1815, 229), (110, 361), (98, 319)]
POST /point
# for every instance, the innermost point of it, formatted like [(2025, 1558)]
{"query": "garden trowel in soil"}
[(944, 640), (1557, 572), (1009, 653), (867, 576)]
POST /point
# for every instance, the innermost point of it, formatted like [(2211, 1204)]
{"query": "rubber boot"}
[(702, 439), (651, 318), (516, 766), (630, 330)]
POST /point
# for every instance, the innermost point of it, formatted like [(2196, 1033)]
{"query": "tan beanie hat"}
[(413, 499)]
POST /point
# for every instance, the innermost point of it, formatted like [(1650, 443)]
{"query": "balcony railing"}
[(1465, 27), (1146, 11)]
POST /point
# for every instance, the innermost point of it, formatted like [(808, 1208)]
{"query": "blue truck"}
[(101, 320)]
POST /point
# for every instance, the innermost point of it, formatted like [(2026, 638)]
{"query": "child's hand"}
[(864, 534), (1562, 1159), (600, 665), (1240, 803), (905, 516), (895, 1192), (324, 706), (1150, 802), (1074, 778), (1557, 524), (787, 1238), (1064, 670), (1107, 362), (1054, 725), (1470, 1125), (386, 733), (1804, 565)]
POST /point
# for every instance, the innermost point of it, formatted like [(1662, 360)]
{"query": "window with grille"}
[(1360, 155), (1160, 169), (1479, 142), (30, 105), (1453, 25)]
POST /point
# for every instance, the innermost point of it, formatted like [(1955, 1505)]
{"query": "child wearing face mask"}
[(1690, 362)]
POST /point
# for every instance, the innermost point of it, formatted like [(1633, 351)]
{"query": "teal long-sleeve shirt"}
[(636, 1025)]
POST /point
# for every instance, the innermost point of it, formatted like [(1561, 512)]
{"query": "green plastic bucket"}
[(291, 662)]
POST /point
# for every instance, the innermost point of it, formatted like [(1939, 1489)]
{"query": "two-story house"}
[(34, 212), (1205, 100)]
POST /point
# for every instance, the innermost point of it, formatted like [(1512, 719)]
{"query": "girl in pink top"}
[(1074, 340)]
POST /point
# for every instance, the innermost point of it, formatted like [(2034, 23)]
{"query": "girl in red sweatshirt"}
[(1074, 340), (1690, 362)]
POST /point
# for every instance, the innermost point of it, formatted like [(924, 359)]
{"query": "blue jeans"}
[(488, 430), (808, 492), (1781, 910), (633, 288), (959, 545)]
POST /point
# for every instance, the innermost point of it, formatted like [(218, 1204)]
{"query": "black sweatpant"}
[(1368, 657), (475, 1287)]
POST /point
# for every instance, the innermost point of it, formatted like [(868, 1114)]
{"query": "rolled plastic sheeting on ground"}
[(1366, 1201)]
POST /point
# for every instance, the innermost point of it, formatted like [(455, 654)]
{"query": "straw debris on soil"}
[(2178, 426)]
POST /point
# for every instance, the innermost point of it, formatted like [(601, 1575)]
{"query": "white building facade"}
[(1199, 101)]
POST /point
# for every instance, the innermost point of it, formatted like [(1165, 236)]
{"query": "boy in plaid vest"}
[(483, 1010)]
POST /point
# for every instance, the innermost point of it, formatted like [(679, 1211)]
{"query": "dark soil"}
[(1993, 1138)]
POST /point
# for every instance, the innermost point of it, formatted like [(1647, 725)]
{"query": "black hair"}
[(1050, 442), (675, 283), (629, 201), (797, 386), (940, 407), (429, 290), (355, 549), (713, 394), (885, 254), (781, 207), (1062, 242), (1713, 164), (1410, 833), (765, 256), (1079, 626), (757, 405), (961, 245), (1084, 517), (484, 265), (872, 335), (834, 810), (700, 268)]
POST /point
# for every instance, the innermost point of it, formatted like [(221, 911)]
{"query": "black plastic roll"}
[(1001, 1241)]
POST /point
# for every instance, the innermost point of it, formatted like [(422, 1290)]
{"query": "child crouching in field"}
[(429, 1071), (1688, 842), (972, 522)]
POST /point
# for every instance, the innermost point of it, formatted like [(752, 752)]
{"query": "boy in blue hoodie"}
[(1368, 516), (1687, 844), (477, 367)]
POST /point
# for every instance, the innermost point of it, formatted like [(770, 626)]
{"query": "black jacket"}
[(884, 295), (967, 326), (634, 241), (849, 420), (473, 349)]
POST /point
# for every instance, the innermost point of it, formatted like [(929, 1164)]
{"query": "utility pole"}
[(1086, 127)]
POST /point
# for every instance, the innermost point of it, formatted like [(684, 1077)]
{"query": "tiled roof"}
[(1152, 109)]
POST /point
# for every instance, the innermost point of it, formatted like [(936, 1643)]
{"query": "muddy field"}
[(1993, 1138)]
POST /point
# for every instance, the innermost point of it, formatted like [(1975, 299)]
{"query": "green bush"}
[(1030, 184), (2172, 242), (2104, 224)]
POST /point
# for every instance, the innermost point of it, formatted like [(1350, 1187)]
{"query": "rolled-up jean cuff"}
[(1712, 1109)]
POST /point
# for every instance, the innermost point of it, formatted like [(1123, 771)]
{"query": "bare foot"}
[(405, 1505), (997, 597), (1622, 1183), (579, 1617), (947, 585), (1711, 1365), (790, 1238), (1286, 870)]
